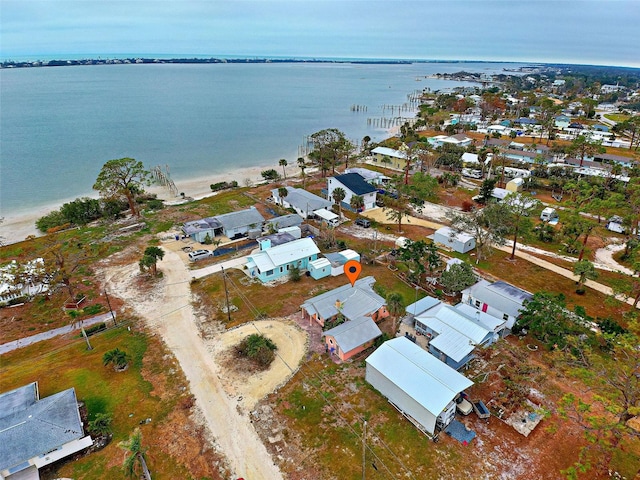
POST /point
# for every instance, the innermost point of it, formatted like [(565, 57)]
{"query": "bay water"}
[(59, 125)]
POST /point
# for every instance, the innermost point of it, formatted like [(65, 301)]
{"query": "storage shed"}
[(460, 242), (515, 185), (319, 268), (422, 387)]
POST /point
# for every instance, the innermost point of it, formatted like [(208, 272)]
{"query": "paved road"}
[(379, 216), (23, 342)]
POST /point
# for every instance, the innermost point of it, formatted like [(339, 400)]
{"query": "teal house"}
[(274, 262)]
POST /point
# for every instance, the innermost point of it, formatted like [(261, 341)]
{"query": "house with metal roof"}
[(370, 176), (461, 242), (350, 302), (389, 157), (420, 386), (302, 201), (284, 221), (499, 299), (273, 262), (231, 225), (351, 337), (35, 432), (421, 306), (353, 184), (452, 335)]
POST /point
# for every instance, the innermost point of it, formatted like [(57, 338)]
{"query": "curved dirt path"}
[(605, 256), (167, 309)]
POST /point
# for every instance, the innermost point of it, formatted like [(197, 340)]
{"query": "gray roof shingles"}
[(30, 427)]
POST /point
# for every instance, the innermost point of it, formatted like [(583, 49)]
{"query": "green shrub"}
[(95, 328), (92, 309), (258, 348)]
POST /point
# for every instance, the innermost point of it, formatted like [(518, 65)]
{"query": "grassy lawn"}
[(146, 390), (617, 117)]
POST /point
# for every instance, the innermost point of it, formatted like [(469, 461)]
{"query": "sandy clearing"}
[(291, 343), (168, 311)]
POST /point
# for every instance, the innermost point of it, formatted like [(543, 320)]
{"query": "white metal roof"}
[(451, 233), (389, 152), (283, 254), (430, 382)]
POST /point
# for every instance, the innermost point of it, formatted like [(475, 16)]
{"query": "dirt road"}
[(167, 309)]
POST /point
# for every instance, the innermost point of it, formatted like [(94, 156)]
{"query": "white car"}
[(200, 254)]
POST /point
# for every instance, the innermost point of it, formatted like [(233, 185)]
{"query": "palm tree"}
[(357, 202), (283, 163), (117, 357), (282, 193), (302, 166), (136, 460), (395, 307), (585, 270), (365, 143), (338, 196), (151, 257)]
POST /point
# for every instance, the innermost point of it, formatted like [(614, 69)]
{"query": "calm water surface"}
[(59, 125)]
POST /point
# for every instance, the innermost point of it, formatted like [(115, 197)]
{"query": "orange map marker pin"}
[(352, 270)]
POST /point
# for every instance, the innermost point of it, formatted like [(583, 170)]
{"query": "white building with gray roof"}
[(303, 202), (499, 299), (35, 432), (422, 387)]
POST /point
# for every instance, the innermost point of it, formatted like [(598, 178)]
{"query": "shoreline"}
[(16, 228)]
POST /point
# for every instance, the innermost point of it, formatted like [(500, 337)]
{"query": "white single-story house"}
[(353, 184), (273, 262), (338, 260), (470, 158), (460, 242), (231, 225), (35, 432), (420, 386), (303, 202), (499, 299)]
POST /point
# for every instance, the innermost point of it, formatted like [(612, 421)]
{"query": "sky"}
[(600, 32)]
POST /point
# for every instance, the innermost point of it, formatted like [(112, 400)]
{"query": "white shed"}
[(460, 242), (422, 387)]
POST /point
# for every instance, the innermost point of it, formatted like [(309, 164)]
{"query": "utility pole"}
[(226, 293), (110, 309), (364, 449)]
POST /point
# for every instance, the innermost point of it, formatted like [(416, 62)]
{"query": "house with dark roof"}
[(499, 299), (35, 432), (353, 184)]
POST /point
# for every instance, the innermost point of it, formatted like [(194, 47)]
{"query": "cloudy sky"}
[(573, 31)]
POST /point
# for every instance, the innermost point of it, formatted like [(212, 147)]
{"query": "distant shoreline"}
[(194, 60)]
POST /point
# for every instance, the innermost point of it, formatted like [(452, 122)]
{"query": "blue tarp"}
[(458, 431)]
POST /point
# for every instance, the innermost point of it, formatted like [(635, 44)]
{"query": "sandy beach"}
[(17, 228)]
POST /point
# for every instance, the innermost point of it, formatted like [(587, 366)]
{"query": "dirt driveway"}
[(167, 310)]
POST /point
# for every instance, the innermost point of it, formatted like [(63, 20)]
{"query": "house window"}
[(281, 270), (477, 303), (505, 317), (269, 273)]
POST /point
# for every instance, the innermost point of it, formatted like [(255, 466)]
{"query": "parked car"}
[(200, 254), (363, 222)]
